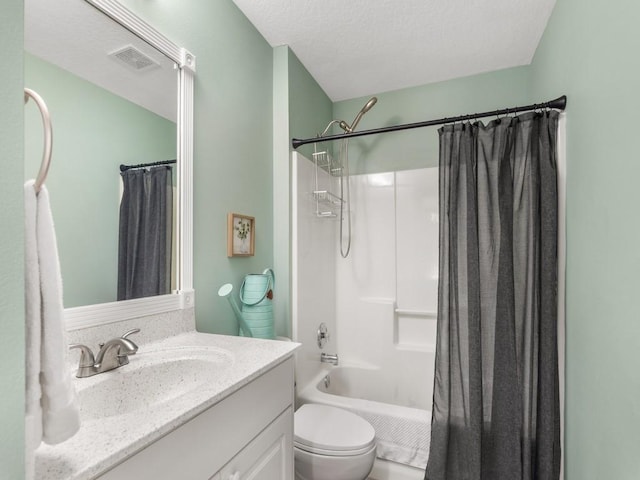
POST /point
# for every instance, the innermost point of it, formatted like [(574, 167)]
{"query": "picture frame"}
[(241, 235)]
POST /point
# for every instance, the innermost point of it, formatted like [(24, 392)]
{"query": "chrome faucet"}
[(113, 354), (326, 358)]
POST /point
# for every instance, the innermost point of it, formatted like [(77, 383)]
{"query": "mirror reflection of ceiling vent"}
[(134, 59)]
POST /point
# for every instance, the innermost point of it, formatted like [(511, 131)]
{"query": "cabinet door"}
[(269, 456)]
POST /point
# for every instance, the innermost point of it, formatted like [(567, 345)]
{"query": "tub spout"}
[(326, 358)]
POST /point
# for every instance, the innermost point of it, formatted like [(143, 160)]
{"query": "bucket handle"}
[(270, 285)]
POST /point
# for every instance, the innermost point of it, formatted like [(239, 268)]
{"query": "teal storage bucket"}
[(256, 293)]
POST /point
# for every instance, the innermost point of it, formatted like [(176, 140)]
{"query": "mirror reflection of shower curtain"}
[(496, 411), (146, 223)]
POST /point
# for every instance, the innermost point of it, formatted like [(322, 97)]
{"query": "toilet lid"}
[(331, 431)]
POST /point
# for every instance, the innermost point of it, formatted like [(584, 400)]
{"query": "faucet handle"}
[(133, 346), (86, 355), (131, 332)]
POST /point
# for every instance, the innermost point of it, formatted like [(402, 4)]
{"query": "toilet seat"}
[(331, 431)]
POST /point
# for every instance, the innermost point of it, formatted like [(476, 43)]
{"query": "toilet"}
[(332, 444)]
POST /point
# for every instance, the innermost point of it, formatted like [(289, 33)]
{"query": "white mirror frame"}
[(100, 314)]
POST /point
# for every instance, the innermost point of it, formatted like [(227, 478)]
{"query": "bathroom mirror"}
[(119, 92)]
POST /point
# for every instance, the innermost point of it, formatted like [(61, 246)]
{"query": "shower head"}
[(367, 106)]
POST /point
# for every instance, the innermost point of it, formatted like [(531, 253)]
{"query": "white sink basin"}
[(150, 380)]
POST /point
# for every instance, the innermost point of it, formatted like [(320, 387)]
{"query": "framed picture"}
[(241, 235)]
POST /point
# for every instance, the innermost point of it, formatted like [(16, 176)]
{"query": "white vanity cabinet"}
[(247, 435), (268, 456)]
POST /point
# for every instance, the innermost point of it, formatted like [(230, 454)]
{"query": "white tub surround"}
[(102, 443), (314, 252), (386, 290)]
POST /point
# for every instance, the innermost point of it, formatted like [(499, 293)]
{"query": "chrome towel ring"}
[(48, 136)]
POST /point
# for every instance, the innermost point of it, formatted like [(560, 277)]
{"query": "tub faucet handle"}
[(323, 335)]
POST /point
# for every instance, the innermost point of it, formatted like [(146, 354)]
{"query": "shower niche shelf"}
[(327, 171)]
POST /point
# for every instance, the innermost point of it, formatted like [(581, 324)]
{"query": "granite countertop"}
[(102, 443)]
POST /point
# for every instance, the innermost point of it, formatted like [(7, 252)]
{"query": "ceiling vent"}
[(134, 59)]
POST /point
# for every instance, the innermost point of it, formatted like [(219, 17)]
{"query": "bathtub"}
[(400, 418)]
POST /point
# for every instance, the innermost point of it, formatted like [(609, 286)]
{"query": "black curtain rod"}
[(559, 103), (124, 168)]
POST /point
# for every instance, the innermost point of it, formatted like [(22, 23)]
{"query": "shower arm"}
[(332, 122), (559, 103)]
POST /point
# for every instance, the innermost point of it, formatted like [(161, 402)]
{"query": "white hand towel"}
[(60, 413), (51, 396), (33, 411)]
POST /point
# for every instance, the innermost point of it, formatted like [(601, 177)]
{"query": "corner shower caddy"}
[(327, 202)]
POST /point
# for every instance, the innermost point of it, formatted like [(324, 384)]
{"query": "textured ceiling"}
[(355, 48)]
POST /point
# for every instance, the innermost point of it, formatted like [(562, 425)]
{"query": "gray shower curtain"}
[(146, 225), (496, 412)]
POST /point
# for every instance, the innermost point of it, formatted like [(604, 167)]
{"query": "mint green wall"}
[(94, 132), (419, 147), (300, 106), (281, 191), (590, 53), (233, 145), (11, 242), (310, 109)]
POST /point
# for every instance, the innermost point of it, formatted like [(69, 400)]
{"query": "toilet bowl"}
[(332, 444)]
